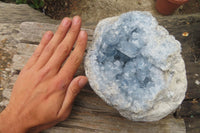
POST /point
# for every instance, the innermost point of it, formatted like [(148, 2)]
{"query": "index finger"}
[(74, 60)]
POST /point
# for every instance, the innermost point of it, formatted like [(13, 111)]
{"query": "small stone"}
[(4, 41), (194, 101), (7, 69), (197, 82), (185, 34), (135, 66)]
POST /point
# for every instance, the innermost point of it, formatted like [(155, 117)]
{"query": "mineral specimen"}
[(136, 66)]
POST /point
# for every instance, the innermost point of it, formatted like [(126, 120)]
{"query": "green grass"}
[(36, 4)]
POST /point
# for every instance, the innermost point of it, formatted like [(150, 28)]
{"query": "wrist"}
[(10, 123)]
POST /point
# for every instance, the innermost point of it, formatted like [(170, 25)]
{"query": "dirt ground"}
[(92, 11)]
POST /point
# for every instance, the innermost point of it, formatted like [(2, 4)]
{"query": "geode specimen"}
[(136, 66)]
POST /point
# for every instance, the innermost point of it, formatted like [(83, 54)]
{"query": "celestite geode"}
[(136, 66)]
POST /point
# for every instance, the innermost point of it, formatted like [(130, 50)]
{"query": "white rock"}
[(135, 66)]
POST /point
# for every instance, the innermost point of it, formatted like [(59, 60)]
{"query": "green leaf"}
[(41, 3), (37, 4), (21, 1), (31, 5)]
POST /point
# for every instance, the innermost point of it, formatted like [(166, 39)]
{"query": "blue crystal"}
[(119, 55), (128, 61)]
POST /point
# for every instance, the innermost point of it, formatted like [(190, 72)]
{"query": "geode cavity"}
[(136, 66)]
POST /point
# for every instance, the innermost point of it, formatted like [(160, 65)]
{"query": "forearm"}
[(10, 124)]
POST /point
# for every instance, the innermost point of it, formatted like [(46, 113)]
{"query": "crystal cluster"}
[(136, 66)]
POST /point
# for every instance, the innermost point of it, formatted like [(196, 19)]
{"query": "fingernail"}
[(48, 34), (76, 20), (82, 82), (65, 22), (83, 33)]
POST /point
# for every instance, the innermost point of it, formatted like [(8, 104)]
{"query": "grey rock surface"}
[(8, 44), (136, 66), (32, 32), (13, 13)]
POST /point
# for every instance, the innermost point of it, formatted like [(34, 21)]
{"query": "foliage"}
[(9, 1), (37, 4)]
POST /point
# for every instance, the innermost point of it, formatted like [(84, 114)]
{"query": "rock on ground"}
[(136, 66)]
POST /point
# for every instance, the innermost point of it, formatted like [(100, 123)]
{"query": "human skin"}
[(45, 89)]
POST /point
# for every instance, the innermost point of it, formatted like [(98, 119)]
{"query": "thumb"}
[(72, 91)]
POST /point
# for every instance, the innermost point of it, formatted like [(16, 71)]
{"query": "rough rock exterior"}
[(136, 66)]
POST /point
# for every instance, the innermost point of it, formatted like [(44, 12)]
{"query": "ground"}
[(94, 10)]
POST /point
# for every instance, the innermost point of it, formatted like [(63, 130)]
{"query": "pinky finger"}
[(71, 93), (45, 40)]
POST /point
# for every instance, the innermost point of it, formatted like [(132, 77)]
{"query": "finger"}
[(65, 47), (45, 40), (71, 93), (55, 41), (74, 60)]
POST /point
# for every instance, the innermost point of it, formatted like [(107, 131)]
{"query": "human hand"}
[(45, 89)]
